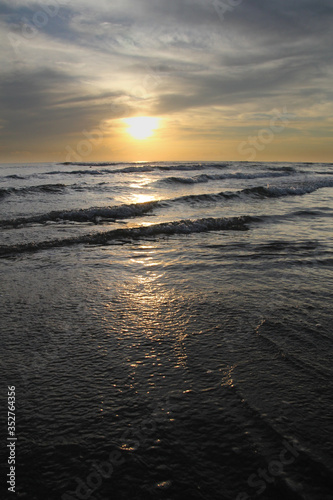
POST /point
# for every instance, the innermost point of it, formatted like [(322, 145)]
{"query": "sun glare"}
[(141, 127)]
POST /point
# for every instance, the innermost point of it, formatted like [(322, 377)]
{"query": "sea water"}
[(168, 329)]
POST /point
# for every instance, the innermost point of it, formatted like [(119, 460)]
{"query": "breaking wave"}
[(111, 214), (258, 191), (165, 228), (94, 214)]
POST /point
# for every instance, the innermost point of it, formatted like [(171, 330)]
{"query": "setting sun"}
[(141, 127)]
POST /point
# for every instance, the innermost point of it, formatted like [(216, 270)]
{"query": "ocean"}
[(167, 329)]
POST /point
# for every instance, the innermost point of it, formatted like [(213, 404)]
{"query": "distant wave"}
[(105, 171), (58, 189), (166, 228), (90, 164), (14, 176), (93, 214), (136, 166), (213, 177), (43, 188), (283, 169), (206, 197), (277, 192), (257, 191), (125, 170), (196, 166)]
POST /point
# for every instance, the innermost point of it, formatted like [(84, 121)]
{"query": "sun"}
[(141, 127)]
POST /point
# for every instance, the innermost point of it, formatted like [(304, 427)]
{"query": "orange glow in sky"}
[(141, 127)]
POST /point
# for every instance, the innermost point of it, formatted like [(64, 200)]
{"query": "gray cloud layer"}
[(63, 68)]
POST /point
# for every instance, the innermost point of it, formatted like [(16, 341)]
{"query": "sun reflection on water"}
[(143, 198), (152, 312)]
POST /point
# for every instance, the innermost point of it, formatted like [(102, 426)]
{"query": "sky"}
[(248, 80)]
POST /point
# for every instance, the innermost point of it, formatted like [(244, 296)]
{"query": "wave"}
[(283, 169), (287, 247), (168, 168), (277, 192), (14, 176), (58, 188), (89, 164), (165, 228), (213, 177), (43, 188), (111, 214), (93, 214), (105, 171), (180, 166), (92, 170), (196, 166), (318, 212), (209, 197), (258, 192)]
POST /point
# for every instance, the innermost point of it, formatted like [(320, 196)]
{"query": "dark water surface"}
[(188, 355)]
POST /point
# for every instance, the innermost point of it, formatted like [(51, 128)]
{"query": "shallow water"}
[(200, 351)]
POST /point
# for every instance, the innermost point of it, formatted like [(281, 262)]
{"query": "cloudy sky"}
[(227, 79)]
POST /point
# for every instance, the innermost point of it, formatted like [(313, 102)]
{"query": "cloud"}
[(48, 102), (161, 58)]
